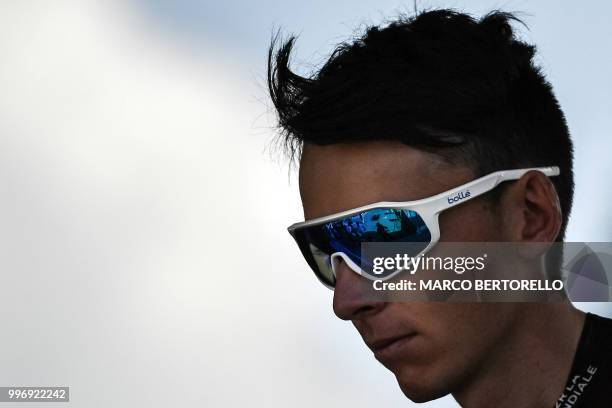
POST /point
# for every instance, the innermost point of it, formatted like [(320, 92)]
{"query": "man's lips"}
[(387, 347)]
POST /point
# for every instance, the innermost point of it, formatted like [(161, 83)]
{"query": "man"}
[(414, 109)]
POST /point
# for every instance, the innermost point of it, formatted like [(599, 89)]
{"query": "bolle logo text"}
[(458, 197)]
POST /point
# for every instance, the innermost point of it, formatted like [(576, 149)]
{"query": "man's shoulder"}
[(600, 322)]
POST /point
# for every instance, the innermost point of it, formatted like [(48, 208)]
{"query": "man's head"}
[(406, 112)]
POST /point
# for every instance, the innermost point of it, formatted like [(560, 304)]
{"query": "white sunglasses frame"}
[(428, 209)]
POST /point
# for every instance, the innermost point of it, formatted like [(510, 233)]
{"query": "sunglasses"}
[(324, 241)]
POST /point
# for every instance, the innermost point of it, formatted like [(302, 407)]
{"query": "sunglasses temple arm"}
[(481, 186)]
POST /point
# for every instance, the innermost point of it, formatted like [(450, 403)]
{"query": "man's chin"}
[(419, 389), (421, 394)]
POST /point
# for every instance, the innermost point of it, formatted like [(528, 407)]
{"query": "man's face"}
[(432, 348)]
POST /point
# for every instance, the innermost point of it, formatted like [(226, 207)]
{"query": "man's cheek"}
[(468, 223)]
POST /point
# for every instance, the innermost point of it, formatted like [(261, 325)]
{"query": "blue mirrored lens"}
[(345, 235)]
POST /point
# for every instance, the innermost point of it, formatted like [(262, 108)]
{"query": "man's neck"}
[(530, 368)]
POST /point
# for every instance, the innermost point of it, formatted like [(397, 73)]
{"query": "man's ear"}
[(531, 209)]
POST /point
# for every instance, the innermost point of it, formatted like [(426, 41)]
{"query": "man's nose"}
[(350, 299)]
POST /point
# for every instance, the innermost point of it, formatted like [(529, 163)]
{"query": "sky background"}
[(144, 255)]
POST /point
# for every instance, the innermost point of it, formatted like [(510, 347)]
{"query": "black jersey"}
[(589, 384)]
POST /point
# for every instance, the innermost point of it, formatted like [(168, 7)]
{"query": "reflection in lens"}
[(377, 225), (323, 262), (319, 242)]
